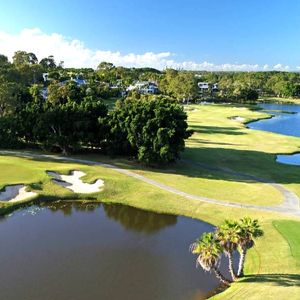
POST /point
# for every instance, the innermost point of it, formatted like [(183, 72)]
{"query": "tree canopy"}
[(152, 129)]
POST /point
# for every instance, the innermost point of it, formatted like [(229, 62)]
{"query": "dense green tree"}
[(62, 93), (8, 97), (3, 60), (9, 129), (181, 85), (186, 86), (153, 130), (105, 66), (21, 58), (48, 63)]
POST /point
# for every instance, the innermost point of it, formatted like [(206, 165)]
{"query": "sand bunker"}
[(75, 184), (239, 119), (14, 193)]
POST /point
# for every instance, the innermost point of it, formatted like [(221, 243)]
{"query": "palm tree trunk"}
[(220, 276), (242, 262), (230, 266)]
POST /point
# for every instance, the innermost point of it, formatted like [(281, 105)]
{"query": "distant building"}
[(79, 81), (144, 87), (45, 76), (203, 86), (207, 87)]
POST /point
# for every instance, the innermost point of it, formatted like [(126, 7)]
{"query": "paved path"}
[(290, 206), (290, 199)]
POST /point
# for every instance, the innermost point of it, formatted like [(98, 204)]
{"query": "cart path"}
[(290, 199), (290, 205)]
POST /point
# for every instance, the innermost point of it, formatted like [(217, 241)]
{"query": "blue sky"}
[(232, 32)]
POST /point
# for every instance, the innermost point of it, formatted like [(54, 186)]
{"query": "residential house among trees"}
[(144, 87)]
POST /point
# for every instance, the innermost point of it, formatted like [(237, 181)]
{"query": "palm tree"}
[(249, 230), (228, 236), (209, 251)]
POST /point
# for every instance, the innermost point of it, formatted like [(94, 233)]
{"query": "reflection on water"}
[(130, 217), (138, 220), (72, 251), (286, 122), (67, 208)]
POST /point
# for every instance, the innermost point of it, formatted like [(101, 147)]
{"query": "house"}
[(45, 76), (79, 80), (144, 87), (207, 87), (215, 87)]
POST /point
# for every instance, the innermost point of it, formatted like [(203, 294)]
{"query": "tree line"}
[(74, 117), (66, 110)]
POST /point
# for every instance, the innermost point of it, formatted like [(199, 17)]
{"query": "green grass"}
[(271, 267), (227, 143), (222, 142), (290, 231)]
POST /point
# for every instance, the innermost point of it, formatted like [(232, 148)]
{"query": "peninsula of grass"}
[(272, 267)]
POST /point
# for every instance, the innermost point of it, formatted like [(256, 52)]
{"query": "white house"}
[(144, 87), (203, 86), (45, 76)]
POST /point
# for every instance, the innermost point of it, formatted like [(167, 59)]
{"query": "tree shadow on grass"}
[(276, 279), (205, 162), (217, 130), (255, 163), (207, 142)]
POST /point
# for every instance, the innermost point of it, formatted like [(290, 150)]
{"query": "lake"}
[(75, 251), (286, 120), (287, 123)]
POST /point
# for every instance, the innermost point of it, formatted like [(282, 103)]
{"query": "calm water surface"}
[(68, 251), (283, 123)]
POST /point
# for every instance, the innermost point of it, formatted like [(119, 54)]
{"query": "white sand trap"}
[(239, 119), (75, 184), (14, 193)]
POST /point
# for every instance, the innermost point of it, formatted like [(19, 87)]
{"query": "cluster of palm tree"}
[(229, 237)]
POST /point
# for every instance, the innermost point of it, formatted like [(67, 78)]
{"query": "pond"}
[(286, 120), (72, 251)]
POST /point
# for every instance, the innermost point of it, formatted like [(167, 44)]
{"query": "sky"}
[(233, 35)]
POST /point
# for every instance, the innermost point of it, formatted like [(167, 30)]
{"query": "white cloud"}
[(266, 67), (75, 54), (280, 67)]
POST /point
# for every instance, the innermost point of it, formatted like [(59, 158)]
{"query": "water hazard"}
[(286, 120), (72, 251)]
